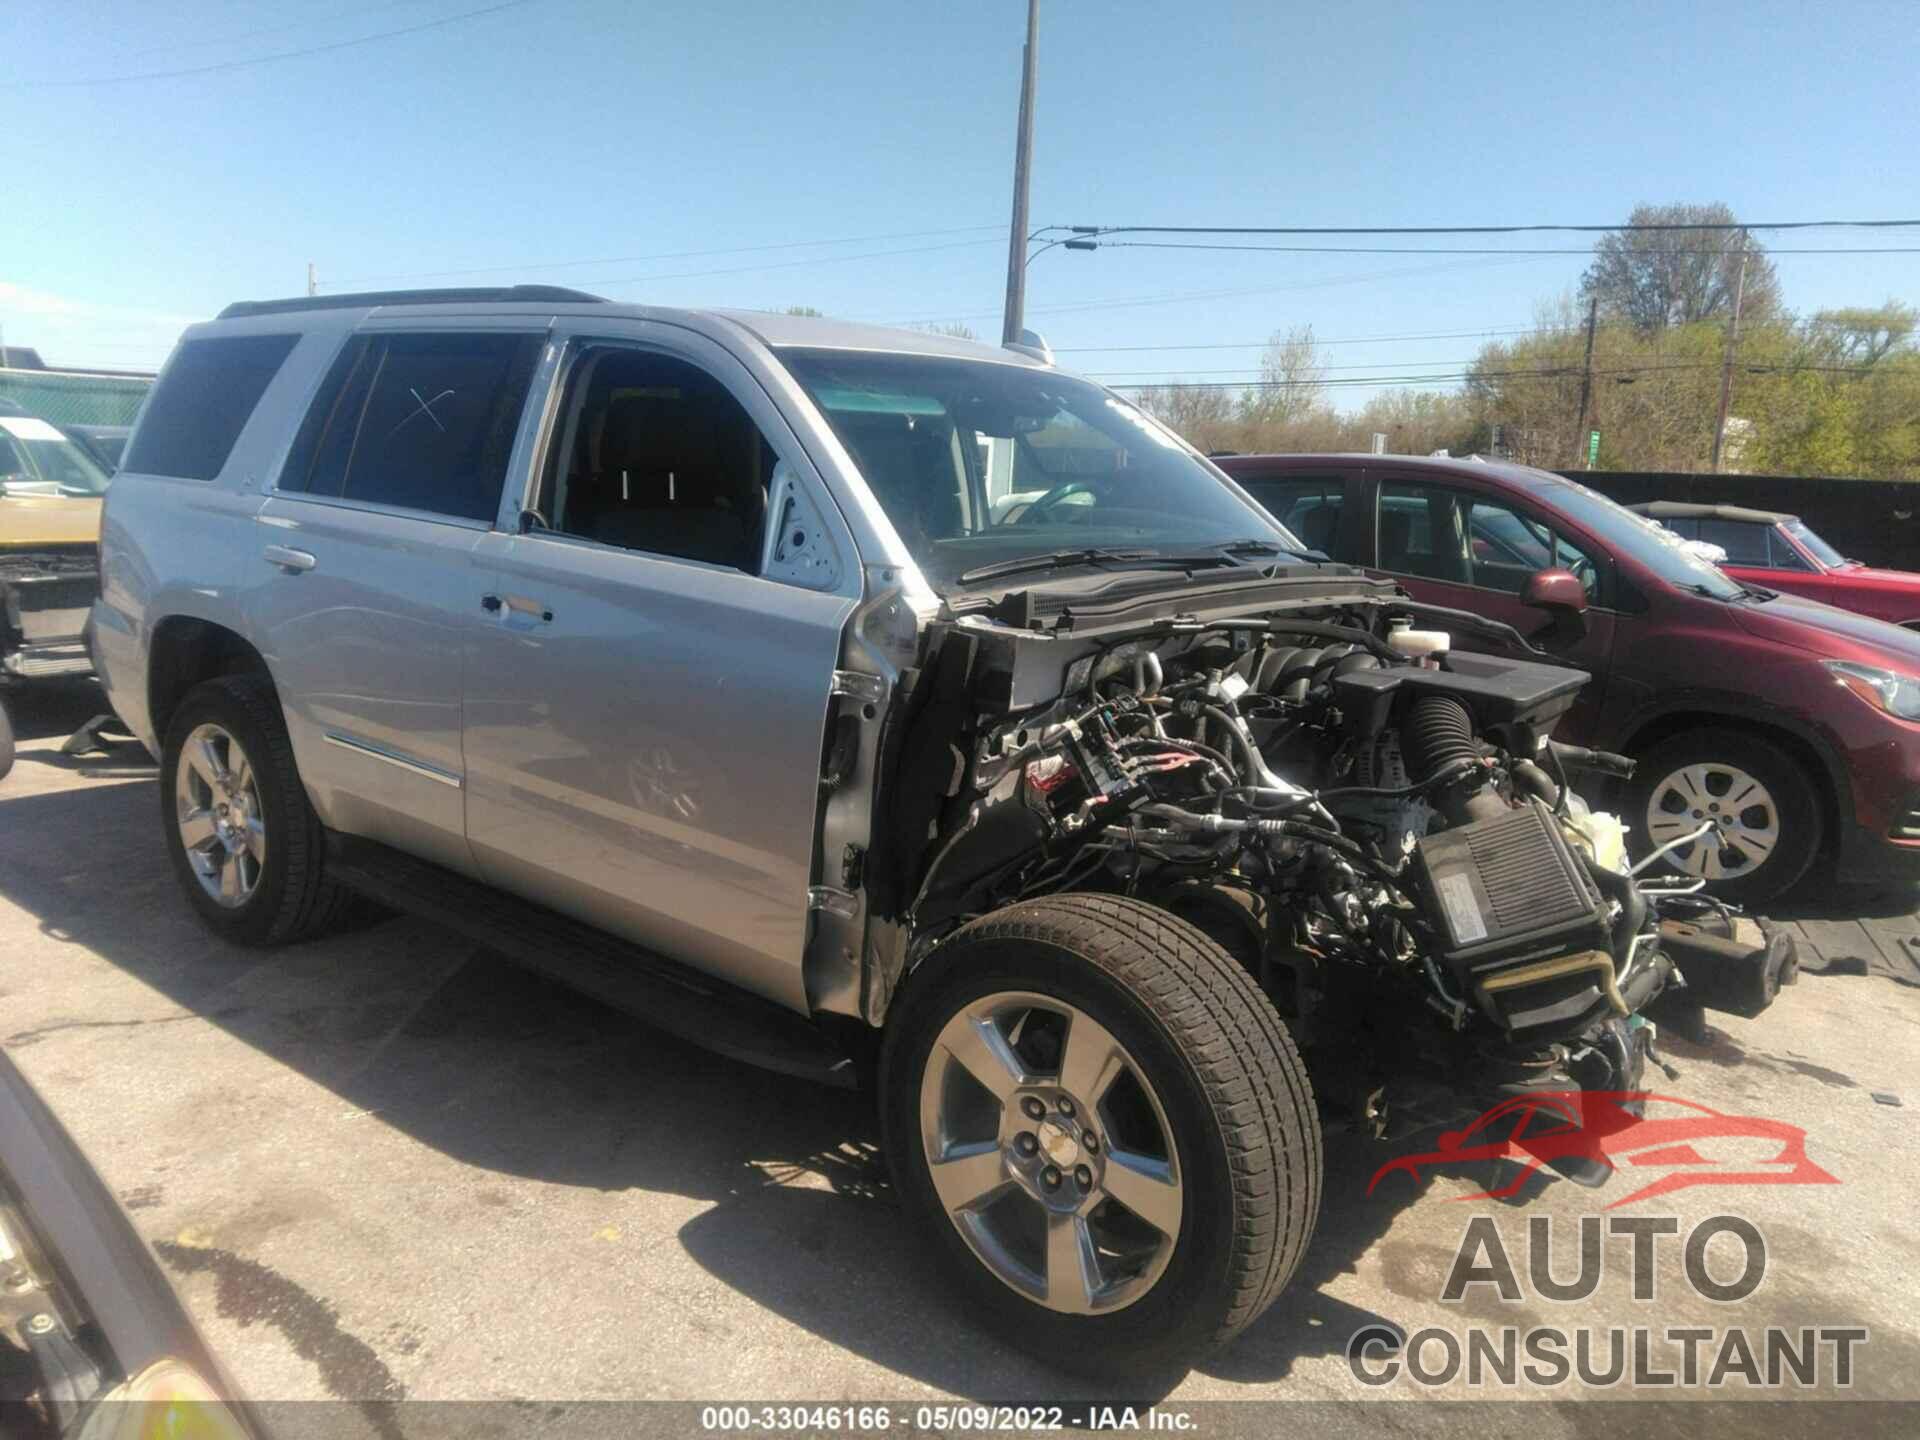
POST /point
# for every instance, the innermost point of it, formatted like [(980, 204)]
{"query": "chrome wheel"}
[(217, 807), (1745, 816), (1051, 1152)]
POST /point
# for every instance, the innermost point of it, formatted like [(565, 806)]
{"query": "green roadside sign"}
[(1593, 448)]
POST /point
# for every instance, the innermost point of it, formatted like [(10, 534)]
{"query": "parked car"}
[(93, 1342), (1781, 552), (1793, 724), (840, 696), (50, 492), (106, 443)]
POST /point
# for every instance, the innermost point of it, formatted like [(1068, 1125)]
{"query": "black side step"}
[(698, 1008)]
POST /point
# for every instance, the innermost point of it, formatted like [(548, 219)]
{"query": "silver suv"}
[(869, 703)]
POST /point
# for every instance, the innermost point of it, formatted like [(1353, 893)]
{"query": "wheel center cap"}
[(1060, 1143)]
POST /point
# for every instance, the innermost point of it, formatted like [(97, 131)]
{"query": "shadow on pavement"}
[(499, 1068)]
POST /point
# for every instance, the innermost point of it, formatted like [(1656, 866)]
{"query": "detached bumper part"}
[(1737, 967)]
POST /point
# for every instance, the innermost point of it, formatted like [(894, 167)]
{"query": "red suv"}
[(1792, 726), (1764, 547)]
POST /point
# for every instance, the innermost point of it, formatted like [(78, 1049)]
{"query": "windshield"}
[(978, 463), (1815, 546), (36, 459), (1647, 541)]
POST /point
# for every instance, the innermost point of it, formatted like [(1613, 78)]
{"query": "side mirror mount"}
[(1559, 593)]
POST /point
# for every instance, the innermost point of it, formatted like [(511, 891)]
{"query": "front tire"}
[(1103, 1130), (1764, 805), (246, 845)]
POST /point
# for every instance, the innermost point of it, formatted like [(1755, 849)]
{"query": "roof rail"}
[(471, 295)]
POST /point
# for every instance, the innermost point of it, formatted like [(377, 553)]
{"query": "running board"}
[(696, 1007)]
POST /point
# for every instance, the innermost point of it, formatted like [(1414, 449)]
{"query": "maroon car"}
[(1781, 552), (1792, 726)]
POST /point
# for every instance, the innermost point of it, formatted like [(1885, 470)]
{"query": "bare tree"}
[(1653, 279), (953, 329), (1292, 381), (1206, 416)]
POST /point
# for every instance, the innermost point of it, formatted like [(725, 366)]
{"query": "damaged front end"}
[(46, 592), (1376, 826)]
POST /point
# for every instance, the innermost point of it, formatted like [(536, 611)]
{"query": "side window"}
[(1744, 542), (1685, 526), (202, 403), (1784, 556), (1450, 535), (654, 454), (424, 422), (1308, 505), (1420, 532)]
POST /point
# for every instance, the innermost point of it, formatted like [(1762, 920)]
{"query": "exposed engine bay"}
[(1379, 827)]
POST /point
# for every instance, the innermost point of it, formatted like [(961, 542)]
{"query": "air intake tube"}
[(1438, 733)]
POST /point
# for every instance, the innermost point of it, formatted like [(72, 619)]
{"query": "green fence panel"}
[(68, 399)]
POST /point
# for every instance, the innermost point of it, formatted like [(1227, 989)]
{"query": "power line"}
[(530, 266), (1809, 322), (1263, 344), (1445, 250), (795, 264), (1184, 296), (222, 65), (245, 35), (1100, 230), (1556, 371)]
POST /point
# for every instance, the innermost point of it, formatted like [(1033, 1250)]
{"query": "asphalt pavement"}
[(389, 1166)]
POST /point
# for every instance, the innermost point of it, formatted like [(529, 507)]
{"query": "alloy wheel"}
[(1051, 1152), (223, 826)]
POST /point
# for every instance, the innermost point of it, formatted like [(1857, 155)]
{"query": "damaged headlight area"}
[(1381, 831)]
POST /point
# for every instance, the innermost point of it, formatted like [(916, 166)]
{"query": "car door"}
[(1314, 504), (1473, 549), (363, 579), (646, 710)]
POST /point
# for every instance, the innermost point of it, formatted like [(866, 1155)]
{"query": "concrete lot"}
[(389, 1165)]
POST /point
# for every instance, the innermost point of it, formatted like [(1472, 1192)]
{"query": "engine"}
[(1380, 829)]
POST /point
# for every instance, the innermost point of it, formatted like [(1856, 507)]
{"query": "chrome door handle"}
[(289, 559)]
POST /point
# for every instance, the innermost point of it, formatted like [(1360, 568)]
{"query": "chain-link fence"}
[(68, 399)]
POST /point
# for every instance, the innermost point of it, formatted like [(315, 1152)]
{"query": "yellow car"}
[(50, 491)]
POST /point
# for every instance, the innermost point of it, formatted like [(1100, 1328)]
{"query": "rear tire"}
[(1184, 1144), (1760, 795), (6, 742), (256, 871)]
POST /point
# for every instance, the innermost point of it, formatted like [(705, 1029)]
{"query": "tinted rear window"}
[(203, 402), (420, 421)]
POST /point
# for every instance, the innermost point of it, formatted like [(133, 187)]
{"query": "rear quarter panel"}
[(171, 547)]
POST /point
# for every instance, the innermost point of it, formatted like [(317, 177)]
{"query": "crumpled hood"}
[(1828, 630), (30, 520)]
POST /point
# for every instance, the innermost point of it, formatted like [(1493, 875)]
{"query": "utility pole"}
[(1733, 343), (1016, 313), (313, 283), (1580, 450)]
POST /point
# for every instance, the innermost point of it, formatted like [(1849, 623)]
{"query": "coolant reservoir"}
[(1601, 835), (1418, 644)]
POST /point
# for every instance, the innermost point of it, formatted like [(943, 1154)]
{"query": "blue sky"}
[(558, 131)]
